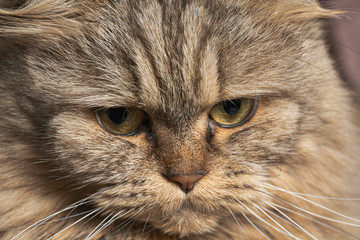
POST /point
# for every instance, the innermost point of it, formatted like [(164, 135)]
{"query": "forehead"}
[(179, 48), (167, 48), (177, 58)]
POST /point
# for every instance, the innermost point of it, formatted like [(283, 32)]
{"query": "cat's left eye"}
[(121, 121), (233, 113)]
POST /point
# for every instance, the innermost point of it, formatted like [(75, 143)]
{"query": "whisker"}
[(255, 226), (82, 202), (302, 215), (318, 222), (314, 214), (74, 223), (283, 228), (45, 220), (238, 223), (143, 232), (70, 216), (291, 220), (125, 223), (281, 218), (65, 218), (128, 231), (258, 217), (316, 204), (147, 219), (316, 196), (98, 226), (108, 223), (92, 217)]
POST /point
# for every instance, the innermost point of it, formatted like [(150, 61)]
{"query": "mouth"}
[(179, 214)]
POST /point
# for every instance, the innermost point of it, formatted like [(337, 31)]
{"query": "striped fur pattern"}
[(291, 172)]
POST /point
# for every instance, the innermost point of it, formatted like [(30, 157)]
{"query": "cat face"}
[(185, 115)]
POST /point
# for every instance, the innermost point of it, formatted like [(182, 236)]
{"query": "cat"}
[(197, 119)]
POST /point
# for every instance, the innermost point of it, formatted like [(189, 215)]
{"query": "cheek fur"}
[(89, 152), (258, 142)]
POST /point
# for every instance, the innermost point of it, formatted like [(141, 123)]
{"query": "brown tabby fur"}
[(60, 60)]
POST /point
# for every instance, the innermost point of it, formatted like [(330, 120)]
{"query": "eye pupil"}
[(117, 115), (232, 107)]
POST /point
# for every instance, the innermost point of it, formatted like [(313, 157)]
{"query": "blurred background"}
[(344, 37)]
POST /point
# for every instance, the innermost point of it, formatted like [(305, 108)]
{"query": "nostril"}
[(186, 182)]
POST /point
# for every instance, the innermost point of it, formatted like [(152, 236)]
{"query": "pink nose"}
[(186, 182)]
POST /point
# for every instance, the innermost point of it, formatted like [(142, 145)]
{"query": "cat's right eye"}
[(121, 121)]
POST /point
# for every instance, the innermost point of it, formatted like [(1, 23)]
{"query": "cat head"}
[(180, 114)]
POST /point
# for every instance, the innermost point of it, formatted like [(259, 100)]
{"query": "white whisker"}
[(255, 226), (81, 202), (45, 220), (238, 223), (291, 220), (74, 223), (316, 221), (281, 218), (98, 226), (70, 216), (92, 217), (290, 234), (125, 223), (258, 217), (325, 197), (108, 223), (316, 204)]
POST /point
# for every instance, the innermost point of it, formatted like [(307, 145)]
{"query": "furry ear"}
[(28, 19), (301, 10)]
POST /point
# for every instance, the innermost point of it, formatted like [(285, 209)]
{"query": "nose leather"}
[(186, 182)]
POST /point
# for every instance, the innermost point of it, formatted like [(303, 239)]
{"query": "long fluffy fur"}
[(291, 171)]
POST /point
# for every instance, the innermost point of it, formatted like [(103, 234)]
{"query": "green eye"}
[(233, 113), (121, 121)]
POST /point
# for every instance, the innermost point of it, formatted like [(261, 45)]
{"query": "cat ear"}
[(301, 10), (26, 19)]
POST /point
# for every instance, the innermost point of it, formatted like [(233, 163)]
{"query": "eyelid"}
[(256, 99), (108, 128)]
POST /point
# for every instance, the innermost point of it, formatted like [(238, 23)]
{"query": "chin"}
[(186, 222)]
